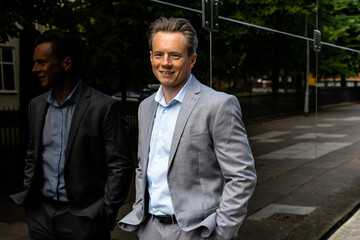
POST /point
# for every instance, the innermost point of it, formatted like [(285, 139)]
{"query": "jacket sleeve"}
[(29, 165), (236, 161), (29, 159), (132, 221), (118, 161)]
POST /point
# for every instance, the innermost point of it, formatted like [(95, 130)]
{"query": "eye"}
[(157, 55), (41, 63), (175, 56)]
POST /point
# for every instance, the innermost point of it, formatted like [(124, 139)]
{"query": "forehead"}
[(169, 40), (43, 49)]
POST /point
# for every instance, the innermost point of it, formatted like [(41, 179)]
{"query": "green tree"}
[(340, 25), (117, 54), (16, 15)]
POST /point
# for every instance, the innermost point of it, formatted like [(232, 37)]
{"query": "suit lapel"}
[(39, 125), (147, 116), (191, 98), (149, 113), (83, 102)]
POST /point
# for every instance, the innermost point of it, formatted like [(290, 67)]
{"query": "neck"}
[(62, 91), (171, 92)]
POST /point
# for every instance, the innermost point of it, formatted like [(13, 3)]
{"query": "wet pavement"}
[(308, 181)]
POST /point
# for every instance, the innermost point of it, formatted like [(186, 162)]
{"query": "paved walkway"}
[(308, 180), (350, 230)]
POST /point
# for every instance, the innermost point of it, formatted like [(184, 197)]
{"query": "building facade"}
[(9, 74)]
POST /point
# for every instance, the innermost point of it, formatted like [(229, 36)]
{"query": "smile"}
[(166, 73)]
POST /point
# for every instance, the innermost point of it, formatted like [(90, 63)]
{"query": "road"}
[(308, 178)]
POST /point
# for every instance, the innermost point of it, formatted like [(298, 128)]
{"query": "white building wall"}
[(10, 98)]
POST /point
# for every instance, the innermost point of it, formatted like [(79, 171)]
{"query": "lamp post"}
[(210, 21), (306, 108)]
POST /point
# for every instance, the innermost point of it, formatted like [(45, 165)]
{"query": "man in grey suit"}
[(78, 166), (196, 170)]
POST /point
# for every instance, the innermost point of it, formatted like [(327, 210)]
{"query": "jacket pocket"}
[(210, 211)]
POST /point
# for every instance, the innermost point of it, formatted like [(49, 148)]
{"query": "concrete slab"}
[(305, 150), (267, 230), (351, 119), (313, 125), (273, 140), (304, 126), (320, 135), (325, 125), (14, 231), (267, 135), (280, 208), (350, 230)]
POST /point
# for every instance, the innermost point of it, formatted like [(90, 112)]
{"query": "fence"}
[(132, 120), (9, 129), (253, 107)]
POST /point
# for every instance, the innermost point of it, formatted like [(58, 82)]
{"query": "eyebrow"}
[(39, 60), (173, 52)]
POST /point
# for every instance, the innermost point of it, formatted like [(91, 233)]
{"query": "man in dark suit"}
[(78, 166)]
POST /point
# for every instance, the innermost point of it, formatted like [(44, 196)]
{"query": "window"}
[(7, 69)]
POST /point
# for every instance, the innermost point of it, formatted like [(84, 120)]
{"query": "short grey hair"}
[(181, 25)]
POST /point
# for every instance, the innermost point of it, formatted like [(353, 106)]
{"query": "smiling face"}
[(170, 62), (48, 69)]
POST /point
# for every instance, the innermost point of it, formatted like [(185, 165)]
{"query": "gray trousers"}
[(152, 229)]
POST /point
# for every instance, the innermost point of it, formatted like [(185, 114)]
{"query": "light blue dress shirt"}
[(161, 138), (55, 137)]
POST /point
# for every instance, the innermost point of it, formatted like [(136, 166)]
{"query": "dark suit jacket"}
[(98, 167)]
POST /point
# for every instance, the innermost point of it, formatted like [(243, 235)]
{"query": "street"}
[(308, 171)]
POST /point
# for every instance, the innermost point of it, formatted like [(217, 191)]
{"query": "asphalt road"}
[(308, 180)]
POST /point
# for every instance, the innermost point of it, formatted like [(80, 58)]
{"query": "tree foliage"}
[(117, 53), (343, 29)]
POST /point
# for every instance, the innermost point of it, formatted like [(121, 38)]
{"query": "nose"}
[(166, 62), (35, 67)]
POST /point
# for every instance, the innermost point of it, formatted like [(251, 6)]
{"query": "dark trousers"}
[(51, 221)]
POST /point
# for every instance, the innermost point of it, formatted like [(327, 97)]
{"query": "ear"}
[(151, 56), (193, 60), (67, 63)]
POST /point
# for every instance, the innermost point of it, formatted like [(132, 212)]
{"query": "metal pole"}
[(210, 35), (306, 108)]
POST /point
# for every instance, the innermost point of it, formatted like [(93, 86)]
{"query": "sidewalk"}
[(308, 180), (350, 230)]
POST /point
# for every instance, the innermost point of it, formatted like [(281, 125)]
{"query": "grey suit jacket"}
[(211, 174), (98, 167)]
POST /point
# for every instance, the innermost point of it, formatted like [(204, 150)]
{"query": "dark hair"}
[(174, 25), (63, 45)]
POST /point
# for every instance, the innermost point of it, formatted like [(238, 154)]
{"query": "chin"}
[(44, 84)]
